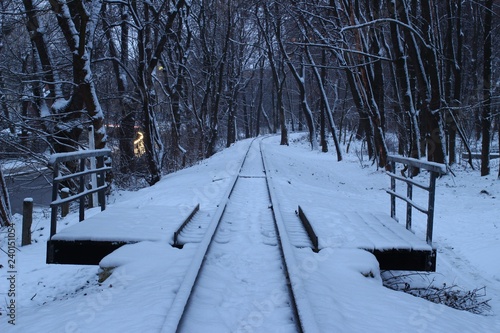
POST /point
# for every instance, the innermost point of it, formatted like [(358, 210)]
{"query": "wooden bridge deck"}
[(395, 247), (87, 242)]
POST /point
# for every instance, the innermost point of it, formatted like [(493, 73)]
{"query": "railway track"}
[(243, 276)]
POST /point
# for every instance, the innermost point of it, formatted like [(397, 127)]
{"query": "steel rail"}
[(305, 314), (298, 299), (176, 311)]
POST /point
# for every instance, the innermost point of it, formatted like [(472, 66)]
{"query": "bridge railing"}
[(80, 176), (435, 170)]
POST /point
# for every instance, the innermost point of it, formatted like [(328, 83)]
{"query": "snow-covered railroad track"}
[(239, 280)]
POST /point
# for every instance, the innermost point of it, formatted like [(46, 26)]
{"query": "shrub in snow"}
[(474, 301)]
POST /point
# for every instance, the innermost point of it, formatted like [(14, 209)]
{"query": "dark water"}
[(34, 185)]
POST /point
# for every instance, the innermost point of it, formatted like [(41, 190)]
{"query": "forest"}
[(166, 83)]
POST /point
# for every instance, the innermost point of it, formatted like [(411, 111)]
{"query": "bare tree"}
[(192, 75), (361, 72), (240, 57), (432, 116), (176, 73), (78, 21), (406, 110), (119, 54), (151, 42), (270, 30), (298, 69), (326, 111)]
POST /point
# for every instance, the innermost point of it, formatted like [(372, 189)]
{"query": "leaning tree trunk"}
[(326, 111), (38, 40), (301, 83), (365, 128)]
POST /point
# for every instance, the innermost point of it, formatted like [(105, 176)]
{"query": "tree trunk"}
[(246, 120), (457, 72), (301, 83), (475, 67), (214, 113), (325, 106), (4, 105), (281, 108), (145, 86), (149, 49), (450, 54), (361, 86), (126, 124), (5, 215), (278, 81), (153, 144), (260, 96), (231, 118), (38, 39), (176, 64), (436, 145), (404, 110), (486, 115), (323, 141), (75, 18)]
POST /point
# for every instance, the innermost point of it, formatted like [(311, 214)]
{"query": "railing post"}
[(82, 189), (393, 188), (90, 203), (64, 206), (430, 209), (409, 195), (100, 182), (93, 176), (53, 214), (27, 221)]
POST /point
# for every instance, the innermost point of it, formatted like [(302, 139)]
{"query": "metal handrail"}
[(435, 170), (82, 157)]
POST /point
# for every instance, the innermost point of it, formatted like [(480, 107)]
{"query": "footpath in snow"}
[(344, 285)]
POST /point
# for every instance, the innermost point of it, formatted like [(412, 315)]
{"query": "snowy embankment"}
[(344, 285)]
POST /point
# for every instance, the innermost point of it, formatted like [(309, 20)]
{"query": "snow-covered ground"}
[(343, 285)]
